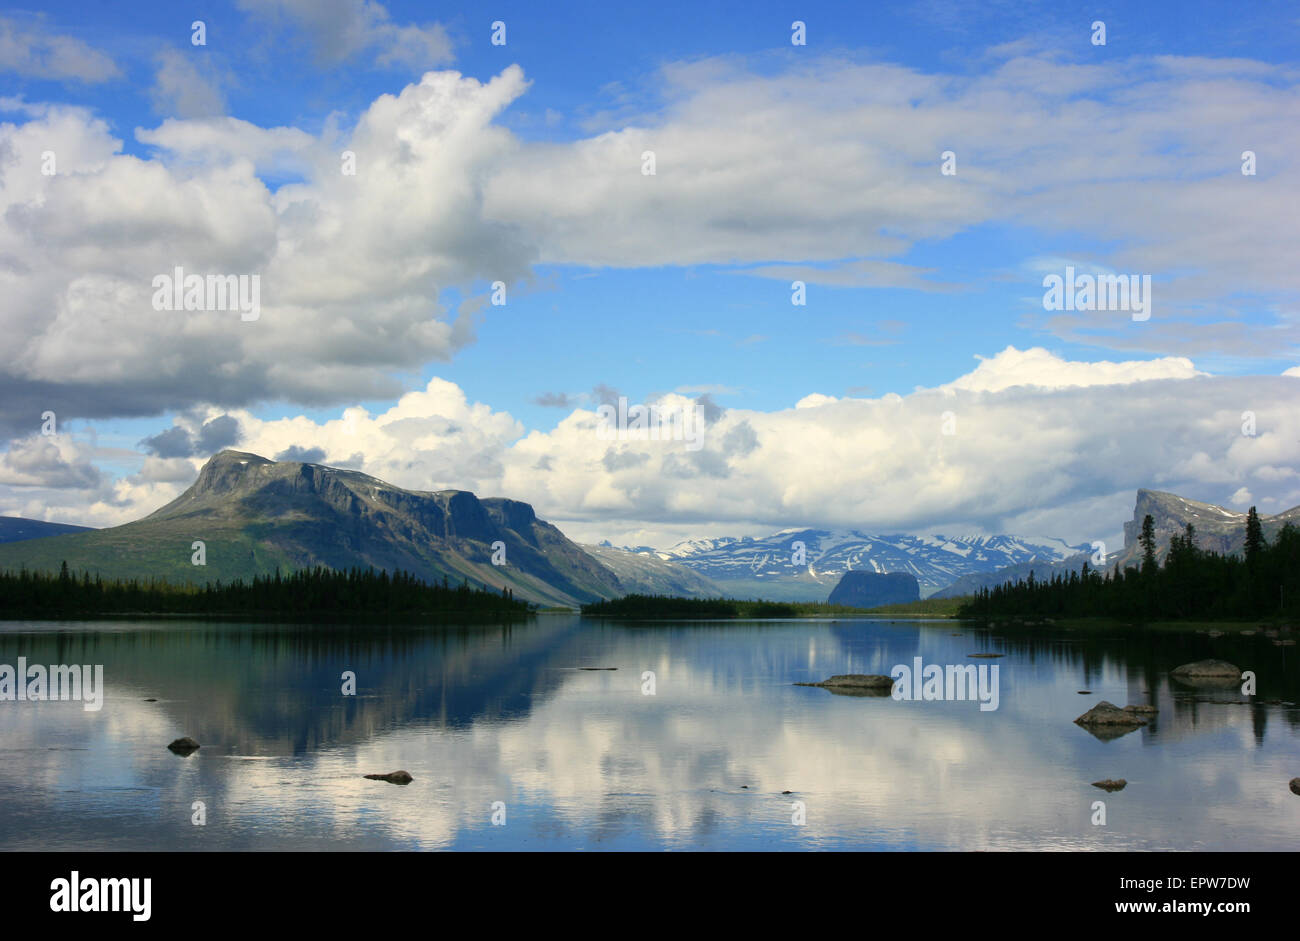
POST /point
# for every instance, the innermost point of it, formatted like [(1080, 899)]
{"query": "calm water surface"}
[(583, 759)]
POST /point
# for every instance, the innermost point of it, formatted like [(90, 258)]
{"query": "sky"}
[(462, 254)]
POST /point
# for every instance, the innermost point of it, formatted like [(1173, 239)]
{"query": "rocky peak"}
[(227, 471), (1218, 529)]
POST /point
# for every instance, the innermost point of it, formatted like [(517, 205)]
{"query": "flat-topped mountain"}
[(872, 589), (254, 515)]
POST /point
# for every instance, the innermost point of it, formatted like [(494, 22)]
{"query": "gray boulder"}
[(1109, 714), (1208, 669)]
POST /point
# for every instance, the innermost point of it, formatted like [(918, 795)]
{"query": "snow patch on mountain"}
[(936, 560)]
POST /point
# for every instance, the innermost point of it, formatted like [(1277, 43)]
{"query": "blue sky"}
[(1115, 158)]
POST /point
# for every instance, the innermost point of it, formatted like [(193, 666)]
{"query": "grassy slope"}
[(161, 550), (925, 608)]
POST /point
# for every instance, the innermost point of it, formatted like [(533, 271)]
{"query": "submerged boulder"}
[(1142, 710), (1295, 785)]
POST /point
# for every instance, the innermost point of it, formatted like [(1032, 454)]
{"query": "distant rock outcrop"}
[(872, 589)]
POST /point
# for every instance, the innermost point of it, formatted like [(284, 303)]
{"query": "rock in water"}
[(393, 777), (1142, 710), (856, 680), (1106, 713), (1209, 669), (872, 589), (184, 746), (1109, 784), (1295, 785), (856, 684)]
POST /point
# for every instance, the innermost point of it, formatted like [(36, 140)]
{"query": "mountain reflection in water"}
[(583, 758)]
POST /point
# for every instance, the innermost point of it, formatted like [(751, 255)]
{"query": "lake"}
[(526, 724)]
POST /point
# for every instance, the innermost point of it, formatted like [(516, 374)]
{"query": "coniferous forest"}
[(666, 606), (314, 593), (1191, 584)]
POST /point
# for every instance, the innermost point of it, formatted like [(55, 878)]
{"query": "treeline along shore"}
[(316, 593), (668, 607), (1192, 584)]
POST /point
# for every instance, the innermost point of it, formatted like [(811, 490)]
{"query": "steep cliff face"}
[(872, 589), (254, 515), (1217, 529)]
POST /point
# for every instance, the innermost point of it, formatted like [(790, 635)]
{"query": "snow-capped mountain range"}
[(767, 567)]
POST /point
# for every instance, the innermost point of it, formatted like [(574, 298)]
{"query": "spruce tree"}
[(1254, 538), (1148, 542)]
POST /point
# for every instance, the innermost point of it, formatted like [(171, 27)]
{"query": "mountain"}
[(766, 568), (17, 529), (640, 571), (255, 515), (1217, 529), (873, 589)]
